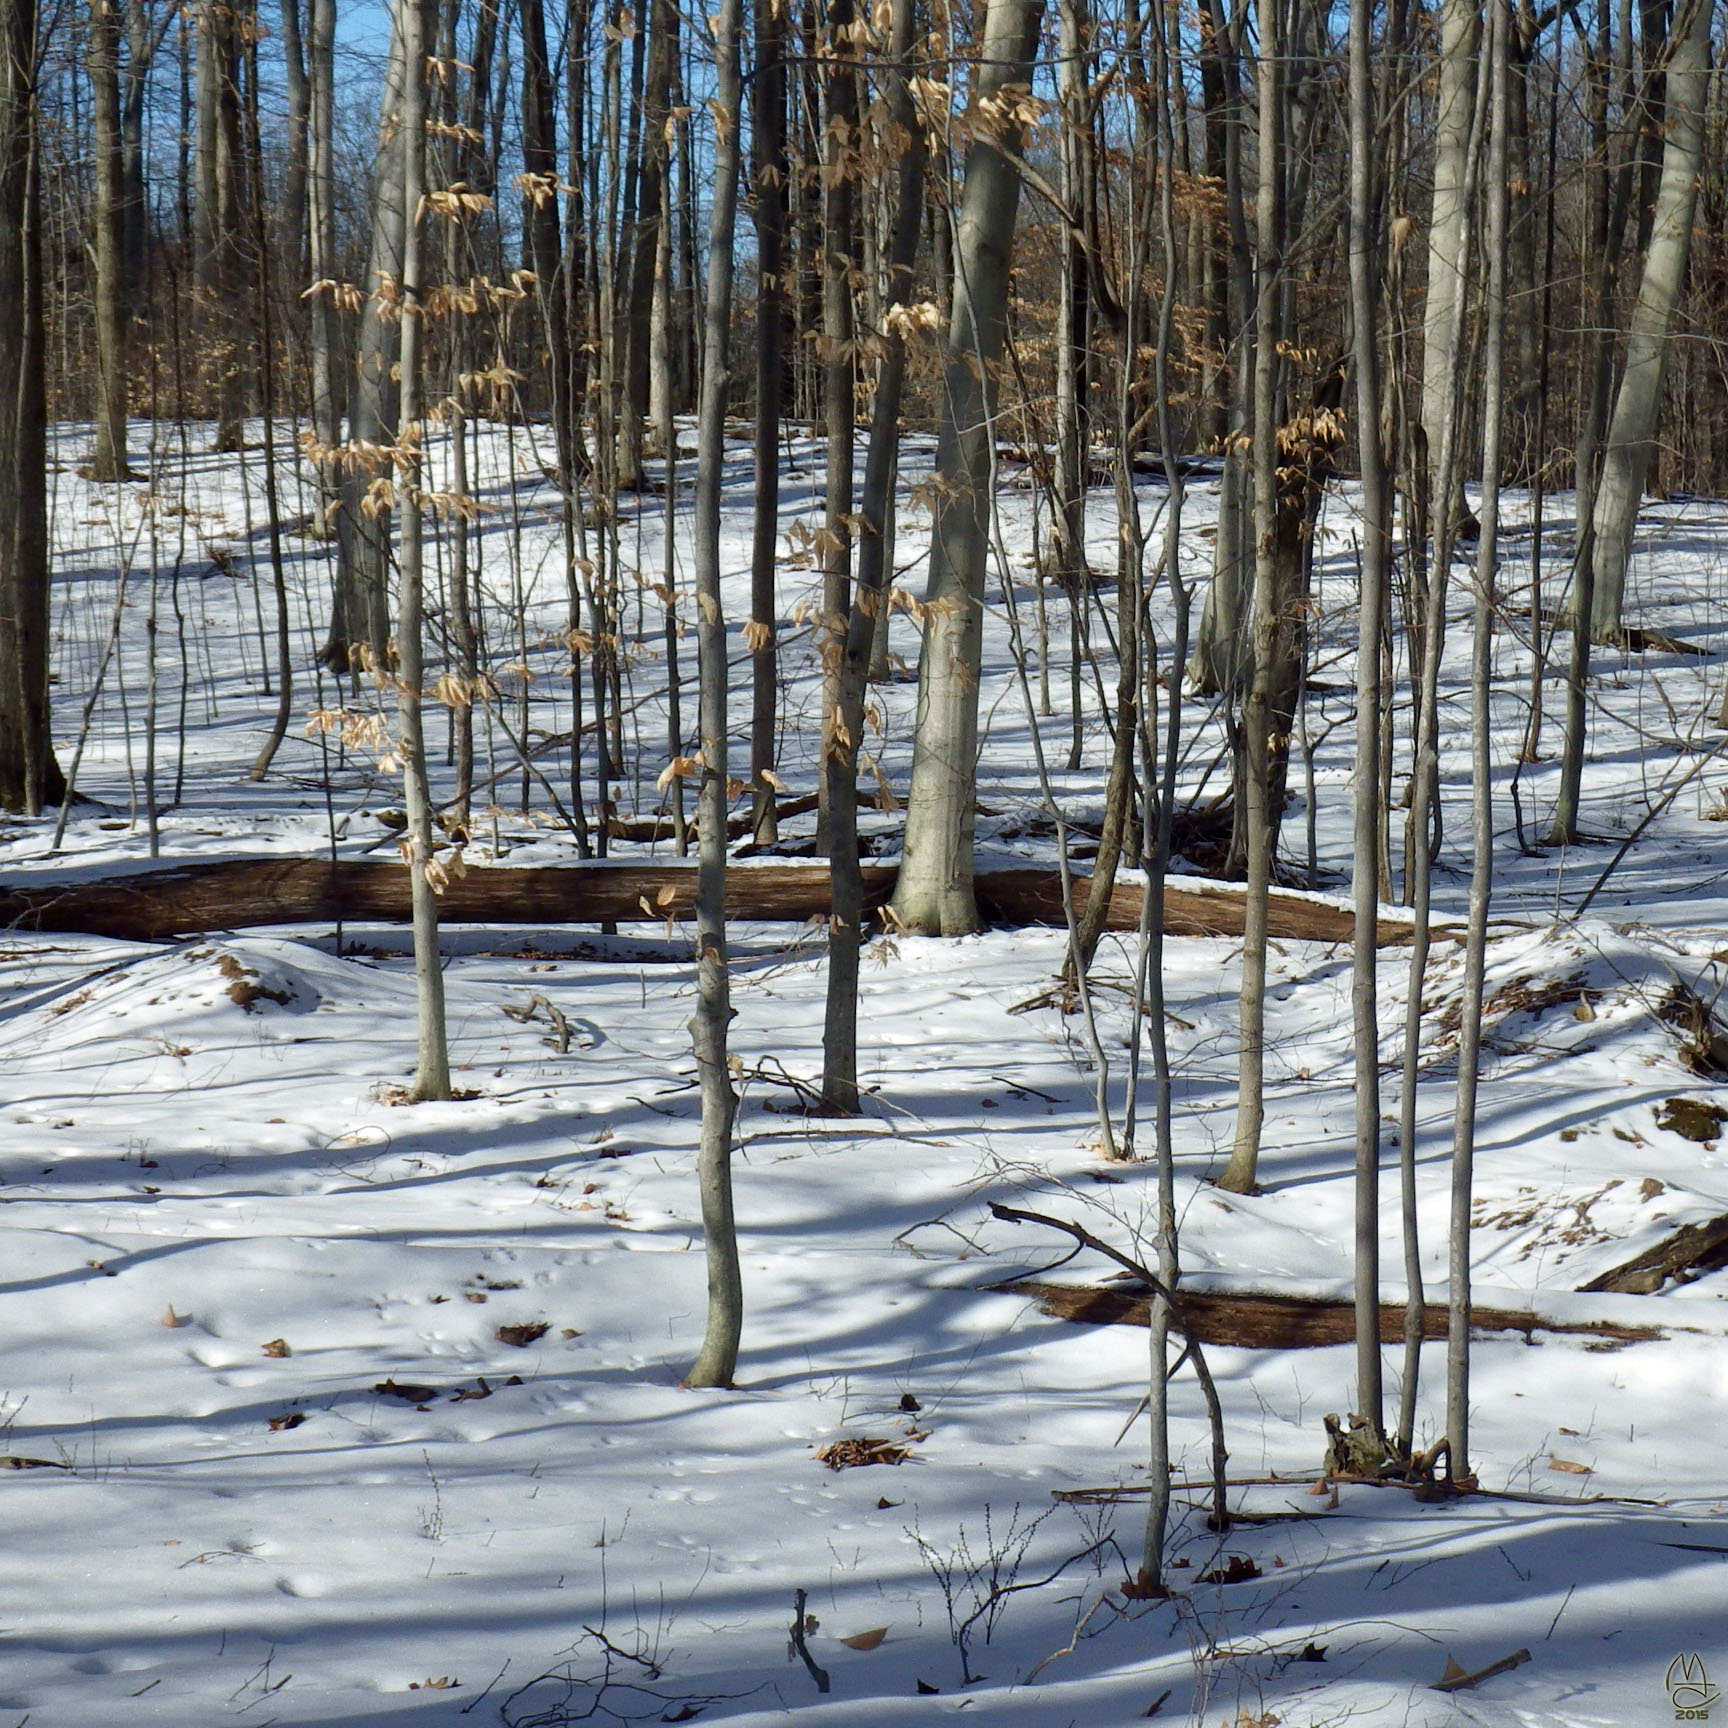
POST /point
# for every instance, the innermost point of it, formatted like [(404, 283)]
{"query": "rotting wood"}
[(1253, 1321), (235, 893), (1692, 1248)]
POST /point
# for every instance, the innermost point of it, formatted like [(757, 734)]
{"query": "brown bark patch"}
[(1251, 1321)]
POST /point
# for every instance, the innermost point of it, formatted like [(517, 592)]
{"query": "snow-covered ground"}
[(326, 1410)]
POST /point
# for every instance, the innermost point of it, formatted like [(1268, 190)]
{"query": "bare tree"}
[(1631, 436), (1371, 621), (718, 1358), (769, 171), (29, 775), (432, 1066), (218, 216), (1270, 623), (934, 892), (1481, 771), (109, 459), (360, 607), (1444, 307)]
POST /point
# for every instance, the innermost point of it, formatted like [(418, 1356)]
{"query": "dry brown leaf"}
[(172, 1320), (859, 1450), (866, 1640), (278, 1347), (1569, 1467)]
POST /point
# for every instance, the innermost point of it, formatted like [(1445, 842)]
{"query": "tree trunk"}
[(240, 893), (1481, 776), (360, 615), (1371, 621), (1631, 436), (109, 459), (30, 778), (541, 230), (224, 26), (769, 170), (1221, 648), (650, 150), (1269, 624), (1443, 312), (321, 247), (718, 1359), (296, 169), (869, 601), (839, 400), (142, 40), (432, 1066), (935, 891)]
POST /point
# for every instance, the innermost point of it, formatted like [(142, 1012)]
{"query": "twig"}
[(1462, 1682), (1013, 1215), (817, 1673), (1021, 1086), (1073, 1643), (1220, 1519), (1650, 816), (1560, 1610)]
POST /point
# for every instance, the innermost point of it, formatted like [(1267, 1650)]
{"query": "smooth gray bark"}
[(1444, 307), (432, 1066), (360, 618), (1268, 625), (1221, 648), (1631, 435), (718, 1359), (935, 894), (1481, 778), (1371, 621)]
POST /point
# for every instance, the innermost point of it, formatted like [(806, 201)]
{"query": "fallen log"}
[(234, 893), (1692, 1249), (1192, 907), (1251, 1321)]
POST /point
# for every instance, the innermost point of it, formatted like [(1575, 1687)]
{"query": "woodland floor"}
[(330, 1411)]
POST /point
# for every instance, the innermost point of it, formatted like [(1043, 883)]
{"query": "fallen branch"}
[(1456, 1680), (1251, 1321), (1115, 1491), (235, 893)]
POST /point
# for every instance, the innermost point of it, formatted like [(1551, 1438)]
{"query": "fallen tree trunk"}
[(1256, 1322), (1693, 1249), (231, 894)]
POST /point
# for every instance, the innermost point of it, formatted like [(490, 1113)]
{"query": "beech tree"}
[(934, 893), (1631, 435)]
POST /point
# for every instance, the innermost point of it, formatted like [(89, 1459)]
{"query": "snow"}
[(210, 1530)]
